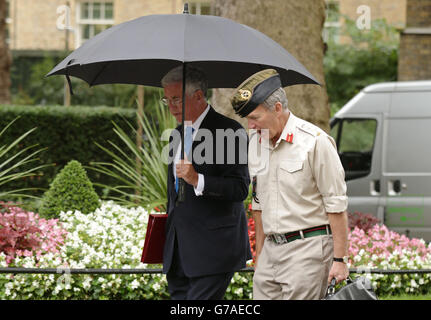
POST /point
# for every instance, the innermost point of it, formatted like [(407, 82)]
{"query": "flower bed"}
[(373, 246), (380, 248), (111, 237)]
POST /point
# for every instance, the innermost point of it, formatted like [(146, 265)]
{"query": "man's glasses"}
[(174, 101)]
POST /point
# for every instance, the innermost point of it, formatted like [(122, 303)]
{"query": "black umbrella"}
[(143, 50)]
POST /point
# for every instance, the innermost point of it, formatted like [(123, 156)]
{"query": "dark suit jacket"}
[(211, 229)]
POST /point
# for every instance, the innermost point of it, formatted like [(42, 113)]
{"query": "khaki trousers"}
[(293, 271)]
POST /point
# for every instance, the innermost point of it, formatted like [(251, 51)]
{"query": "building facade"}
[(392, 11), (414, 62), (43, 25), (38, 28)]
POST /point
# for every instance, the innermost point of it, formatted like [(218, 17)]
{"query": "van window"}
[(355, 141)]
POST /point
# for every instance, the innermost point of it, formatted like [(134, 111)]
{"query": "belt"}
[(301, 234)]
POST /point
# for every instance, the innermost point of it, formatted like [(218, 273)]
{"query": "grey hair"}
[(195, 79), (278, 95)]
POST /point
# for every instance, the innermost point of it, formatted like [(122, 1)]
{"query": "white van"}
[(383, 137)]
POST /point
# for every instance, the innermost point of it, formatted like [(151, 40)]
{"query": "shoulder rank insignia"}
[(306, 128)]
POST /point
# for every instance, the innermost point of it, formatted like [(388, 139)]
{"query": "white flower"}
[(86, 260), (134, 284), (357, 258), (86, 283), (238, 291)]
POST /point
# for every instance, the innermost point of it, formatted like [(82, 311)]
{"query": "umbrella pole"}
[(181, 182)]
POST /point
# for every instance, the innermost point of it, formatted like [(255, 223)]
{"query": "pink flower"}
[(23, 233), (382, 242)]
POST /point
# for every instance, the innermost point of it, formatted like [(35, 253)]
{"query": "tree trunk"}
[(5, 58), (297, 26)]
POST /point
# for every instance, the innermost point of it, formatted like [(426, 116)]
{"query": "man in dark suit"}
[(206, 234)]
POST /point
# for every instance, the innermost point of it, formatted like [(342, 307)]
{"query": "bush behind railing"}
[(67, 133)]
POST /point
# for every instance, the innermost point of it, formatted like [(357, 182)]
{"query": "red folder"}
[(154, 239)]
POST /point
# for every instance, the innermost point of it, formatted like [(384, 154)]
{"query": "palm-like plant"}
[(10, 164), (142, 176)]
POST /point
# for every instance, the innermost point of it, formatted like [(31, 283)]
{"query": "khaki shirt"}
[(299, 179)]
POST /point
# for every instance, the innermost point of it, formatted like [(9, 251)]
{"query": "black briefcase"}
[(358, 289)]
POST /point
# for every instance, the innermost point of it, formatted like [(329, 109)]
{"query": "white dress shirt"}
[(201, 182)]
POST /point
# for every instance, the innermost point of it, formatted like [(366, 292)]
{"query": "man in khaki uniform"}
[(299, 193)]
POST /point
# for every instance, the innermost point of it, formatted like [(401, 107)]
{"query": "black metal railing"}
[(63, 270)]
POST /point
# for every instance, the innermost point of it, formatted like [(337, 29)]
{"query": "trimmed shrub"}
[(70, 190)]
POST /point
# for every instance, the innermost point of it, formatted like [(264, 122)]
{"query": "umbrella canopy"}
[(143, 50)]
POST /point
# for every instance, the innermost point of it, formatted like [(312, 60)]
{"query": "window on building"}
[(8, 22), (332, 22), (202, 8), (93, 18)]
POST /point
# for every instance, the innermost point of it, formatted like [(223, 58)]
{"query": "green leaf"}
[(141, 178)]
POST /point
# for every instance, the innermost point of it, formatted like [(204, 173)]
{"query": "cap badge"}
[(244, 94)]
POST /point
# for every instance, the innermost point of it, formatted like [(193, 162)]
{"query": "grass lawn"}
[(407, 297)]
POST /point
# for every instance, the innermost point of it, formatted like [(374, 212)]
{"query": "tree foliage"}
[(31, 87), (370, 57)]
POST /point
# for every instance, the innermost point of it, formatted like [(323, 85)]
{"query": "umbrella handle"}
[(181, 190)]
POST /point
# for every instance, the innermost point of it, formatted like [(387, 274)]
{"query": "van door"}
[(359, 143), (407, 168)]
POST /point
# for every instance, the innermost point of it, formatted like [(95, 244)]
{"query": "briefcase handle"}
[(331, 287)]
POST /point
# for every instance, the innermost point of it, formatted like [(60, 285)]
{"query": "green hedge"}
[(68, 133)]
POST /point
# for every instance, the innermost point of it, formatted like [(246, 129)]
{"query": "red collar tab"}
[(289, 137)]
